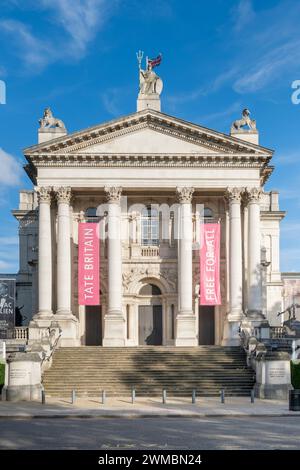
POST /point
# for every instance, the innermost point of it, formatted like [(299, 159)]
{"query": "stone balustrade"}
[(150, 251), (20, 333)]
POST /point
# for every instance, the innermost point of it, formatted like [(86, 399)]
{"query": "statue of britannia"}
[(150, 82)]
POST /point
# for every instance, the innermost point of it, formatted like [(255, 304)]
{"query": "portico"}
[(149, 179)]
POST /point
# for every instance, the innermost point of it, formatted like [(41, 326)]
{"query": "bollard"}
[(252, 396), (133, 395), (164, 396), (194, 396), (103, 397), (43, 397), (222, 396), (73, 397)]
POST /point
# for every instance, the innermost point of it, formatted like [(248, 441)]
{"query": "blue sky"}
[(78, 56)]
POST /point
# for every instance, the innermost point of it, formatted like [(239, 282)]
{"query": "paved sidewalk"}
[(145, 407)]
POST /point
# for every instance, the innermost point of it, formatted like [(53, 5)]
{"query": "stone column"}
[(235, 314), (63, 197), (64, 316), (114, 328), (185, 321), (45, 313), (254, 255)]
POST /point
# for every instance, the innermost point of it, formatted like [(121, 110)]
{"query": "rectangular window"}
[(150, 227)]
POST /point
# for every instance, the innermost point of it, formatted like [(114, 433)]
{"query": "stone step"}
[(90, 369), (143, 377)]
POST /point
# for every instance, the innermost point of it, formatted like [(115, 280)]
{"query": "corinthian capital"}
[(63, 194), (113, 194), (234, 194), (44, 194), (184, 195), (253, 195)]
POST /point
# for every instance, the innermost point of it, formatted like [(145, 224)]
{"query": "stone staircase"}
[(91, 369)]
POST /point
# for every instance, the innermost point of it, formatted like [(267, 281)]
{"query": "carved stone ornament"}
[(132, 274), (253, 195), (234, 194), (132, 216), (246, 122), (44, 194), (48, 121), (28, 220), (184, 195), (113, 194), (63, 194)]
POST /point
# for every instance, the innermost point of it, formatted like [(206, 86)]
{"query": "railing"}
[(150, 251), (20, 332), (277, 332)]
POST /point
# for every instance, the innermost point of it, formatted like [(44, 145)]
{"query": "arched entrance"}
[(150, 316)]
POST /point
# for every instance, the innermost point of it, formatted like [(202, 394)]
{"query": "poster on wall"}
[(210, 264), (7, 307), (88, 264)]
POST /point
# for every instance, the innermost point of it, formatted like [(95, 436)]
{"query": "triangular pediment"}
[(142, 141), (147, 132)]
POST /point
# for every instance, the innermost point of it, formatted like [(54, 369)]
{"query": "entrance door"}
[(206, 324), (93, 325), (150, 324)]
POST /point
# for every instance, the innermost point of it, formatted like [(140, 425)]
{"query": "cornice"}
[(272, 215), (148, 160)]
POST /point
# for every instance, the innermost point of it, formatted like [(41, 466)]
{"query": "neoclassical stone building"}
[(149, 172)]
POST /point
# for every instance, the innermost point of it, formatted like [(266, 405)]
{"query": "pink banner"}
[(88, 264), (210, 264)]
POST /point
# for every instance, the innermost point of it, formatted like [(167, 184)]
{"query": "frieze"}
[(152, 160)]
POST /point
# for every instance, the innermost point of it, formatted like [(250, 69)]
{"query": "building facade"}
[(149, 179)]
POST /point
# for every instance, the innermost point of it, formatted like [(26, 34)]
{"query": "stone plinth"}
[(273, 375), (250, 135), (114, 330), (49, 133), (186, 330), (23, 378), (151, 101)]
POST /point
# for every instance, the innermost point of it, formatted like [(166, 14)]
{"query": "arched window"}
[(208, 213), (150, 289), (150, 226), (91, 214)]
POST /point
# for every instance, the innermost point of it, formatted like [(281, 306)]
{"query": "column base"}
[(43, 318), (114, 329), (186, 330), (231, 330), (69, 326)]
